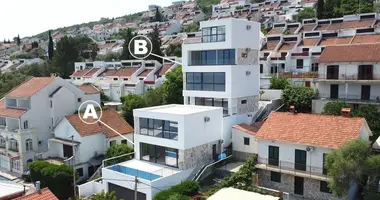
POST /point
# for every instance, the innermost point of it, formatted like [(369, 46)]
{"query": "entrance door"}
[(366, 92), (300, 160), (273, 156), (67, 151), (298, 185), (334, 91)]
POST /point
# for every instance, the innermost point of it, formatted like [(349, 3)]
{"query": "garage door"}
[(125, 193)]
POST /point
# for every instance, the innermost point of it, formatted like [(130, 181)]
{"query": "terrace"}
[(299, 74)]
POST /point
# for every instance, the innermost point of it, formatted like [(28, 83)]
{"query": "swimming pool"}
[(135, 172), (3, 179)]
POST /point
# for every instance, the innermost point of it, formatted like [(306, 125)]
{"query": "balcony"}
[(368, 78), (350, 98), (277, 58), (295, 169), (300, 54), (299, 74)]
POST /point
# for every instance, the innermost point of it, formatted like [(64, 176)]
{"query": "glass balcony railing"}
[(212, 62)]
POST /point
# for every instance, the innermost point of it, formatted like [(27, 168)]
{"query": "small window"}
[(112, 142), (305, 49), (115, 79), (141, 78), (244, 101), (124, 142), (126, 79), (261, 68), (51, 103), (299, 63), (26, 125), (246, 141), (80, 172), (275, 177), (323, 187), (79, 99), (29, 145)]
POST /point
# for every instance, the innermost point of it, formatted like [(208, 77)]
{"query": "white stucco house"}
[(244, 140)]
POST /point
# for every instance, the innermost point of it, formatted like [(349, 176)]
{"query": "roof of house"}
[(287, 46), (165, 68), (9, 112), (310, 129), (308, 27), (277, 30), (108, 72), (358, 24), (81, 72), (249, 129), (89, 89), (30, 87), (110, 117), (270, 45), (309, 42), (44, 194), (327, 41), (366, 39), (91, 72), (125, 71), (351, 53), (145, 72)]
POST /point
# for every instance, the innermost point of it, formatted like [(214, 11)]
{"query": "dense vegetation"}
[(184, 190), (118, 150), (338, 8)]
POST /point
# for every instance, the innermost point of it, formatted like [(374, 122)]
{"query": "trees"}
[(156, 44), (194, 27), (94, 51), (320, 6), (338, 8), (130, 102), (34, 45), (50, 47), (10, 80), (278, 83), (174, 50), (118, 150), (104, 196), (18, 40), (158, 16), (127, 36), (351, 164), (299, 96), (171, 89), (306, 13), (334, 107), (180, 191), (206, 5)]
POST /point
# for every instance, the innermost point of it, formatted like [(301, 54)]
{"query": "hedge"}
[(186, 188)]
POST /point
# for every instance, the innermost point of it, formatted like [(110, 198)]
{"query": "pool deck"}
[(153, 168), (8, 174)]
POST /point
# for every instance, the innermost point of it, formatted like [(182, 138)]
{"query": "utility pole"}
[(73, 160), (136, 181)]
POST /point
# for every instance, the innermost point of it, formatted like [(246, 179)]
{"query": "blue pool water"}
[(3, 179), (135, 172)]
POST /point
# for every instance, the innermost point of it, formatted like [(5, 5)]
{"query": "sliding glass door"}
[(158, 154)]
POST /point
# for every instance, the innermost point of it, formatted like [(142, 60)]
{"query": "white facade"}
[(238, 142)]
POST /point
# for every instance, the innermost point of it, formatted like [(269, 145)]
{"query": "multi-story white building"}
[(28, 115), (292, 148), (221, 69)]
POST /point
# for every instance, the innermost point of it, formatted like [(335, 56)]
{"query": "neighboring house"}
[(28, 115), (10, 190), (350, 73), (40, 194), (292, 148), (244, 140), (90, 140)]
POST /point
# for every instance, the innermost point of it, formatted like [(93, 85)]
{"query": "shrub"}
[(188, 188), (177, 196), (118, 150), (163, 195)]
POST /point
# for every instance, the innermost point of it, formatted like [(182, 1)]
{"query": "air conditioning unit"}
[(310, 149), (247, 73), (207, 119)]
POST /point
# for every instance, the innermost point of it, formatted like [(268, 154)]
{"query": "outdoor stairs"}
[(196, 172), (98, 172), (374, 187)]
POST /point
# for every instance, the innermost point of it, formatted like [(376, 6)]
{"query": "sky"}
[(30, 17)]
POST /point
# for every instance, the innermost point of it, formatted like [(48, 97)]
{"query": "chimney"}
[(346, 112), (38, 186), (292, 109)]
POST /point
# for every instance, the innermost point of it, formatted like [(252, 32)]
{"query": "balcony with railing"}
[(300, 54), (350, 98), (292, 168), (335, 77), (299, 74)]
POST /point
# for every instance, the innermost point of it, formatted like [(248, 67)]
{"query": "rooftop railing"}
[(299, 74)]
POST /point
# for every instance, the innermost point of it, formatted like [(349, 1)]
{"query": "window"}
[(2, 141), (261, 69), (214, 34), (246, 141), (3, 121), (244, 101), (207, 81), (275, 177), (314, 67), (124, 142), (299, 63), (80, 172), (213, 57), (16, 164), (159, 128), (29, 145), (112, 142), (79, 99), (115, 79), (323, 187), (126, 79), (52, 121), (13, 145), (26, 125), (51, 103)]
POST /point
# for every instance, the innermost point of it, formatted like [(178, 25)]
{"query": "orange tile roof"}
[(109, 117), (30, 87), (108, 72), (292, 30), (309, 41), (10, 112), (91, 72), (322, 27), (310, 129), (287, 46), (358, 24), (125, 71), (89, 89), (165, 68), (270, 45), (275, 31), (334, 26), (250, 129), (145, 72), (44, 194), (351, 53), (334, 41), (307, 28), (366, 39), (81, 72)]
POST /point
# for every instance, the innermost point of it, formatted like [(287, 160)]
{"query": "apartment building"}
[(28, 115), (218, 68), (349, 73), (292, 148), (117, 79)]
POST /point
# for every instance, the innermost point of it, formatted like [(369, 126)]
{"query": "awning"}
[(64, 141)]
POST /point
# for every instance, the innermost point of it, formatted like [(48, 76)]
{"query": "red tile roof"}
[(30, 87), (81, 72), (145, 72), (249, 129), (10, 112), (125, 71), (275, 31), (366, 39), (334, 41), (322, 27), (44, 194), (309, 42), (287, 46), (165, 68), (109, 117), (108, 72), (292, 30), (351, 53), (91, 72), (307, 28), (310, 129), (358, 24), (270, 45), (89, 89)]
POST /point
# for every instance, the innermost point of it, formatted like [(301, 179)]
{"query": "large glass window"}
[(159, 128), (214, 34), (206, 81), (213, 57), (159, 154)]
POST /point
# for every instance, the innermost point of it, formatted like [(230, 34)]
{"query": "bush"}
[(177, 196), (118, 150), (372, 196), (163, 195), (188, 188)]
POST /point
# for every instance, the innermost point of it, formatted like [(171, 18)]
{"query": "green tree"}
[(50, 47), (177, 196), (34, 45), (104, 196), (351, 164), (153, 97), (118, 150), (194, 27), (376, 7), (334, 107), (154, 37), (206, 5), (372, 115), (299, 96), (127, 36), (174, 50), (158, 16), (10, 80), (320, 8), (279, 83), (306, 13), (37, 70), (130, 102), (94, 51), (18, 40), (171, 89)]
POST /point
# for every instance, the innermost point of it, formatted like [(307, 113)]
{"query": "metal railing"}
[(299, 74), (349, 97), (291, 167), (209, 165), (347, 77)]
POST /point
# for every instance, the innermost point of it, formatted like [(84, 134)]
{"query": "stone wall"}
[(241, 156), (250, 57), (311, 187), (195, 156), (251, 106)]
